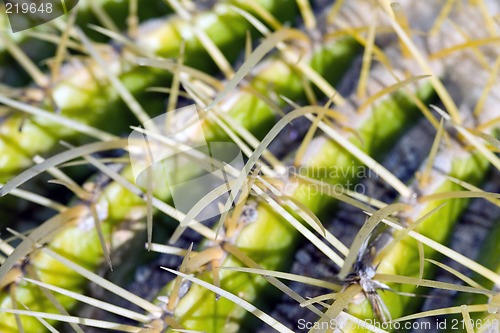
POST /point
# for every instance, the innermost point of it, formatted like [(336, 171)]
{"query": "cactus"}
[(39, 49), (81, 87), (226, 274), (325, 59)]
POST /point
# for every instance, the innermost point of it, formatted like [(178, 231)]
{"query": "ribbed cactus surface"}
[(309, 164)]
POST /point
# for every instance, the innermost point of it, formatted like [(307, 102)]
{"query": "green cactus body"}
[(403, 259), (85, 95), (39, 50), (483, 321), (269, 240), (78, 242), (79, 91), (122, 205)]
